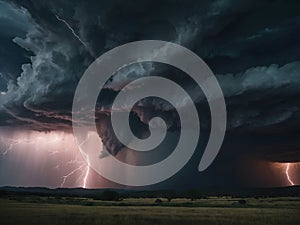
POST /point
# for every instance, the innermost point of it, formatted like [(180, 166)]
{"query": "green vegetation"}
[(143, 211)]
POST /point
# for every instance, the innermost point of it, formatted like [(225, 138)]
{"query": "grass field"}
[(227, 211)]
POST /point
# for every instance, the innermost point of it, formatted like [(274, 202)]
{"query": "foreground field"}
[(272, 211)]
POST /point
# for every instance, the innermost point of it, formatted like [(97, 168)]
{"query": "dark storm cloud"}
[(13, 22), (256, 57)]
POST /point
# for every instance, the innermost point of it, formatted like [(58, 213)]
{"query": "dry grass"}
[(279, 211)]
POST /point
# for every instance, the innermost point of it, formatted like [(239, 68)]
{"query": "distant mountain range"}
[(81, 192)]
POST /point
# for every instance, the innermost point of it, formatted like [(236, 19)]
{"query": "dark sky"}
[(253, 48)]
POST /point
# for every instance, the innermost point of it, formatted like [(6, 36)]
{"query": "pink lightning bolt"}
[(86, 176), (54, 140), (288, 175)]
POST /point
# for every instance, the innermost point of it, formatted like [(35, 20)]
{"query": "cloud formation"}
[(256, 60)]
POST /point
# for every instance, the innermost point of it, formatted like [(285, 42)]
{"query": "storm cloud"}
[(256, 59)]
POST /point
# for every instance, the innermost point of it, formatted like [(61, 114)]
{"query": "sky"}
[(252, 47)]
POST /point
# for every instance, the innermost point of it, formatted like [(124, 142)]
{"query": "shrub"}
[(158, 201)]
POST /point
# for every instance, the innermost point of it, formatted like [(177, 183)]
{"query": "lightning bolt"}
[(81, 166), (88, 162), (287, 170), (86, 176), (4, 153), (72, 30), (14, 142)]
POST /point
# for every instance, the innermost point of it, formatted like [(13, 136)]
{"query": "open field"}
[(50, 210)]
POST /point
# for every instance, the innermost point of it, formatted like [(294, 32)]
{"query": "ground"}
[(213, 210)]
